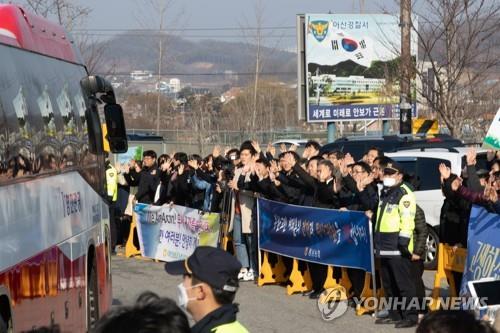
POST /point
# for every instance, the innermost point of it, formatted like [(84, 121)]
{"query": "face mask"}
[(182, 296), (389, 182)]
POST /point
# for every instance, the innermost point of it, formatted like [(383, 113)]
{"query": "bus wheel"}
[(92, 294)]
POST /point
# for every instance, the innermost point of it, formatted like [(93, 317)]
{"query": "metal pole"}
[(331, 132), (406, 66), (385, 127)]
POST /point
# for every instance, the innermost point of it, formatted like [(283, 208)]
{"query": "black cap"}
[(393, 167), (211, 265)]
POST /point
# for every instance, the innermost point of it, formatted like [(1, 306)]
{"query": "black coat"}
[(454, 218), (147, 182)]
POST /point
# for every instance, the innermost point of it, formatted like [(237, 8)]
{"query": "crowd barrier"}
[(483, 260)]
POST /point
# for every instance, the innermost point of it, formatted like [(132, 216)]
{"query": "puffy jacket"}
[(420, 233)]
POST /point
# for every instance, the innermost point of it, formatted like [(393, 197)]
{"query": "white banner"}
[(173, 233)]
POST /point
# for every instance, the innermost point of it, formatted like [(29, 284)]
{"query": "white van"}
[(424, 164)]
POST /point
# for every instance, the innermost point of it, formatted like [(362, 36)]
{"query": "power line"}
[(182, 36), (204, 74), (191, 29)]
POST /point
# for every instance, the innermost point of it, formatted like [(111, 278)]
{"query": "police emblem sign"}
[(352, 66)]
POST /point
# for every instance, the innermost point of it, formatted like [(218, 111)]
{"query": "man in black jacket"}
[(322, 187), (146, 180)]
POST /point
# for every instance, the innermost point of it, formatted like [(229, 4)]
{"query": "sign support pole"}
[(331, 132)]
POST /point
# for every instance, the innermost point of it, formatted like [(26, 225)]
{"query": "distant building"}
[(171, 87), (175, 85), (350, 84), (140, 75), (230, 94)]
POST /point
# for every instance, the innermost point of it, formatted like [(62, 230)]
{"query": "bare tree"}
[(458, 40), (67, 12), (71, 15)]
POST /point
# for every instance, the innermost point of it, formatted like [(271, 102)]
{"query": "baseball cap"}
[(393, 167), (211, 265)]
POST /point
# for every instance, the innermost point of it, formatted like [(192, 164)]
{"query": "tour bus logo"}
[(319, 29)]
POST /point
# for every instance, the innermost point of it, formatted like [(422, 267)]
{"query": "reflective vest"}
[(112, 182), (234, 327), (395, 223)]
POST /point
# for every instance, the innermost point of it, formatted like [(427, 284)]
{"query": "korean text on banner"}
[(483, 247), (172, 233), (325, 236)]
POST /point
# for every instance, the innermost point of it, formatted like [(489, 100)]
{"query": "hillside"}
[(125, 53)]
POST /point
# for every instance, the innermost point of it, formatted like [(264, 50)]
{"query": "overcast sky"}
[(213, 14)]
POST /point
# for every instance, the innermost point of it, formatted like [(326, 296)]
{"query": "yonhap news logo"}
[(328, 305), (333, 303)]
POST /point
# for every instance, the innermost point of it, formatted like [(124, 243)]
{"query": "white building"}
[(140, 75), (350, 84)]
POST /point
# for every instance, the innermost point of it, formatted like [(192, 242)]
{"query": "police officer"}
[(208, 290), (112, 192), (393, 240)]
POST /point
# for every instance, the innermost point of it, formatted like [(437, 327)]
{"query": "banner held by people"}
[(171, 233), (483, 247), (325, 236)]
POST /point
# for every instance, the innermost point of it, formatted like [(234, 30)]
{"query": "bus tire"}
[(92, 296)]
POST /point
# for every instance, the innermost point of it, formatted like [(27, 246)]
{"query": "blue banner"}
[(331, 112), (483, 247), (325, 236)]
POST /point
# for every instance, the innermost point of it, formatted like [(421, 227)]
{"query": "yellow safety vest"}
[(112, 182), (234, 327), (397, 219)]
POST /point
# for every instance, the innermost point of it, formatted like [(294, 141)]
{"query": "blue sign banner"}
[(354, 112), (483, 247), (325, 236)]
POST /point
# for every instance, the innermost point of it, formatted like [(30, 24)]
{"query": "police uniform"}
[(112, 192), (393, 240), (219, 269)]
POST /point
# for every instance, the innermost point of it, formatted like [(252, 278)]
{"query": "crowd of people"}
[(229, 182)]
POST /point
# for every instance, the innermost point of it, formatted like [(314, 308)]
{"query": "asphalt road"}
[(262, 309)]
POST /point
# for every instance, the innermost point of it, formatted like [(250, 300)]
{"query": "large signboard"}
[(352, 66)]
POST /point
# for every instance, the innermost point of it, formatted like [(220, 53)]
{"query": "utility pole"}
[(163, 9), (405, 68)]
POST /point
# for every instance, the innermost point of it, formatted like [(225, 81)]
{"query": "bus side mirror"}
[(115, 124)]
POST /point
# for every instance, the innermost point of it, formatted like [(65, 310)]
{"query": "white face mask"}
[(389, 182), (182, 296)]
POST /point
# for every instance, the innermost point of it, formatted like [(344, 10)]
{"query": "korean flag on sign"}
[(357, 49)]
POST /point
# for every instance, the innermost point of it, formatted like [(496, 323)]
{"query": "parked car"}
[(424, 163), (357, 146)]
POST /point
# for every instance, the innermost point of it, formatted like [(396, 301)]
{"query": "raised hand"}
[(444, 171), (471, 156), (271, 149), (216, 151), (283, 148), (256, 146), (226, 150), (193, 164), (293, 147)]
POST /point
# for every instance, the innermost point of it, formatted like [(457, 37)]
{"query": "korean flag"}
[(357, 49)]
